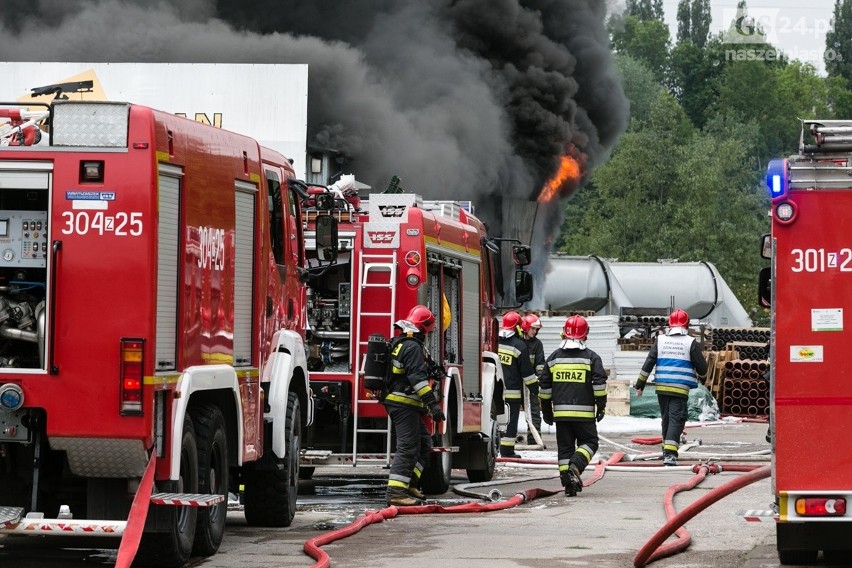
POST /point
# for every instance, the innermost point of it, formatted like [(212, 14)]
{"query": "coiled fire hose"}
[(652, 550)]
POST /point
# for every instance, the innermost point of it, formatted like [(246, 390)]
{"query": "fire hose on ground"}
[(653, 550), (312, 546)]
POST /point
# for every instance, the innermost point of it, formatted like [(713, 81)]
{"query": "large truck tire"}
[(435, 479), (492, 449), (171, 545), (270, 495), (212, 477)]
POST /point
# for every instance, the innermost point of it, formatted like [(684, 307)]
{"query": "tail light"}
[(821, 506), (131, 377)]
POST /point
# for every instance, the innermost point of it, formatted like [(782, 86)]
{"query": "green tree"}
[(693, 21), (803, 94), (774, 98), (645, 40), (838, 42), (684, 21), (622, 210), (719, 210), (693, 76), (839, 93), (641, 88), (646, 10)]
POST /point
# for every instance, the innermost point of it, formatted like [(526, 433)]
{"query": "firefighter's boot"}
[(415, 492), (669, 457), (401, 498), (571, 481), (507, 451)]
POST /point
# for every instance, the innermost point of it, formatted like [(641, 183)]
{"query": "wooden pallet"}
[(716, 369)]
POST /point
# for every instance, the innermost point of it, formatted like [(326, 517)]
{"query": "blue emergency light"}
[(777, 178)]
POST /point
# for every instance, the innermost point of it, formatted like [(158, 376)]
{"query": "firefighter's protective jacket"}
[(678, 358), (536, 355), (409, 381), (517, 369), (574, 380)]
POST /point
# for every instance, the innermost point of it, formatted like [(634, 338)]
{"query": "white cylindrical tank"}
[(576, 283), (580, 283)]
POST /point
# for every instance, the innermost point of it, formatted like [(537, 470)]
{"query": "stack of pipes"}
[(745, 388)]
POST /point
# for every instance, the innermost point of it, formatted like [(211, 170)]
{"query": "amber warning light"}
[(132, 356)]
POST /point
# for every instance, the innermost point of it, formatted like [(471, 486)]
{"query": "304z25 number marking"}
[(121, 224)]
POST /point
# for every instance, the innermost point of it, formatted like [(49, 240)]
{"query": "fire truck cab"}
[(151, 320), (809, 284), (395, 251)]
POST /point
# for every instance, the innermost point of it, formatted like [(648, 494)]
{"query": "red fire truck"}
[(810, 285), (151, 327), (395, 251)]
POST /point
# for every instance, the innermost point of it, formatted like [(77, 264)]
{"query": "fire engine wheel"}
[(270, 495), (212, 477), (491, 451), (172, 548), (436, 477)]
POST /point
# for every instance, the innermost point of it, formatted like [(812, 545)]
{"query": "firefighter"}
[(573, 394), (679, 363), (409, 397), (530, 327), (518, 372)]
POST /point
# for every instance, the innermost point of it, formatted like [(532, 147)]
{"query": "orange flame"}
[(568, 175)]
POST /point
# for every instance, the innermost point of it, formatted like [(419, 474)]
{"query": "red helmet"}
[(576, 327), (422, 318), (678, 318), (511, 320), (531, 321)]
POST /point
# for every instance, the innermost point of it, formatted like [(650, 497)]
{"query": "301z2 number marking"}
[(818, 260)]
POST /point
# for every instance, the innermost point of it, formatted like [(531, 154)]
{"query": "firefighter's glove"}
[(533, 388), (437, 414), (547, 411), (601, 412)]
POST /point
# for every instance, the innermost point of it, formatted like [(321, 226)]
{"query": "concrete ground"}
[(605, 526)]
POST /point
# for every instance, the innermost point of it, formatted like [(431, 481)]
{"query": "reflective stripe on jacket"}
[(678, 361), (517, 368), (574, 380), (409, 380)]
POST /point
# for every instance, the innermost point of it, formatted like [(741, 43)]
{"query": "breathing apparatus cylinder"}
[(377, 365)]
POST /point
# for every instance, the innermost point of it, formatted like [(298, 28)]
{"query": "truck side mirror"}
[(764, 287), (523, 286), (766, 247), (521, 255), (326, 237)]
